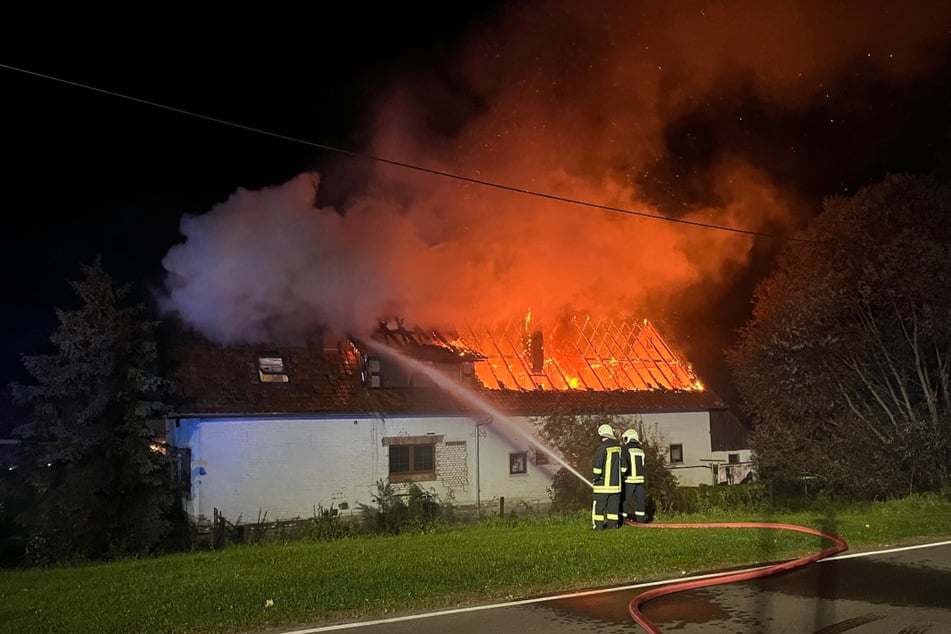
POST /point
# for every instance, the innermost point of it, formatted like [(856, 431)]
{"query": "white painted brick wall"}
[(285, 468), (452, 466)]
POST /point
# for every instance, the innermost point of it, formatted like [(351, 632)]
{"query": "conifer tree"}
[(100, 485)]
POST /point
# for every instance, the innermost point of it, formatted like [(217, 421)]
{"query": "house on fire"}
[(285, 431)]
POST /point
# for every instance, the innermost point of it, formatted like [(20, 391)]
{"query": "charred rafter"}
[(585, 354)]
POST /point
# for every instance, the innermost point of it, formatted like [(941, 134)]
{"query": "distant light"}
[(49, 464)]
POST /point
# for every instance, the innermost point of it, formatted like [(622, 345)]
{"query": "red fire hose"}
[(636, 602)]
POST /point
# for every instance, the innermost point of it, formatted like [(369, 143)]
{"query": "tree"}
[(844, 364), (99, 485)]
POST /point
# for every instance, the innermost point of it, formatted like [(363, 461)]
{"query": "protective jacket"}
[(607, 467), (635, 460)]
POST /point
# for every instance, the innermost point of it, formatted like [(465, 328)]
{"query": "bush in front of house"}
[(398, 511), (740, 498), (327, 524)]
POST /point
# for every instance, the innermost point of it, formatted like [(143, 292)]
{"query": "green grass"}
[(313, 582)]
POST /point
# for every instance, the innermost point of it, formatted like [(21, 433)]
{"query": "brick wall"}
[(452, 464)]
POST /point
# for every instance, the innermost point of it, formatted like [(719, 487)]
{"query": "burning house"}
[(281, 432)]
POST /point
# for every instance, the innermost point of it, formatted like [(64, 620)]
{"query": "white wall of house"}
[(287, 468), (284, 468), (691, 432)]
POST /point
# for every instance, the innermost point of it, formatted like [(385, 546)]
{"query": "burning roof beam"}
[(504, 362), (647, 359), (621, 353), (565, 381), (654, 342), (587, 362), (594, 352), (600, 355), (519, 356)]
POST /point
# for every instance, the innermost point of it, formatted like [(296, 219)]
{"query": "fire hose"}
[(639, 600)]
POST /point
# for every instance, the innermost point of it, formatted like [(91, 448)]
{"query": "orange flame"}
[(584, 354)]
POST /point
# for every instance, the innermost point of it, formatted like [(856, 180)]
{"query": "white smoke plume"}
[(570, 99)]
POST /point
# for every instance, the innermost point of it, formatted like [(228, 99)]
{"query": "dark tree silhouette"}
[(98, 483), (844, 365)]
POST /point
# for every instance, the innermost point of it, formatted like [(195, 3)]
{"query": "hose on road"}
[(636, 603)]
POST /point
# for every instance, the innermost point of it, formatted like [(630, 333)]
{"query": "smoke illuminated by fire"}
[(570, 99)]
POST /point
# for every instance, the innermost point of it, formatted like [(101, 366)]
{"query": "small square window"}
[(271, 369), (518, 463), (541, 457), (676, 453), (733, 458)]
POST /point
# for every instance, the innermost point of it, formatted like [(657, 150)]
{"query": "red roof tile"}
[(223, 380)]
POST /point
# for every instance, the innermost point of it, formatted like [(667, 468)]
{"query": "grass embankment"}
[(312, 582)]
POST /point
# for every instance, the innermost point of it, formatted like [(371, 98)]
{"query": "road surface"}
[(903, 590)]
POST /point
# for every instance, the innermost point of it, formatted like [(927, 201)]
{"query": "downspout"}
[(486, 420)]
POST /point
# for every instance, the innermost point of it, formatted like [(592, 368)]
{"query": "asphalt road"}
[(897, 591)]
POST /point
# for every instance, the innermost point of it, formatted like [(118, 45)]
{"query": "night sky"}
[(727, 114), (88, 173)]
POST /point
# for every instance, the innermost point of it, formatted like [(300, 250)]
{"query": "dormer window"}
[(271, 369), (372, 372)]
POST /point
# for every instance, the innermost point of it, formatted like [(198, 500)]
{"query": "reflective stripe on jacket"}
[(607, 467), (636, 460)]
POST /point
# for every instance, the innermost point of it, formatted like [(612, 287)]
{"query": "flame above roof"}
[(576, 353)]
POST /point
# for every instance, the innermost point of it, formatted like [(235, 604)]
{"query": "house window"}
[(541, 457), (733, 458), (412, 458), (676, 453), (518, 463), (271, 369)]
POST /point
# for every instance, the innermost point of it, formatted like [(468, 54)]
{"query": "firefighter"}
[(634, 477), (606, 507)]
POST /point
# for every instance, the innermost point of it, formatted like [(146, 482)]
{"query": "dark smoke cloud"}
[(629, 104)]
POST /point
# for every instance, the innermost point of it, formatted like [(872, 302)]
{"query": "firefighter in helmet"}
[(607, 474), (634, 481)]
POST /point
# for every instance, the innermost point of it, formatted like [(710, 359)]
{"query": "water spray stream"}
[(471, 398)]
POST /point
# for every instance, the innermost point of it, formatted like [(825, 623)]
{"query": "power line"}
[(418, 168)]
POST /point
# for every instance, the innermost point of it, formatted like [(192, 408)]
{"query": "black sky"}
[(88, 173)]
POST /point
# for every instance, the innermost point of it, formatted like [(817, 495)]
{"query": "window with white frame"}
[(676, 453), (518, 462)]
